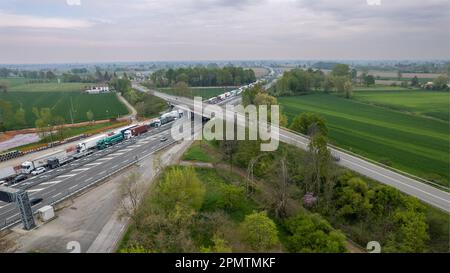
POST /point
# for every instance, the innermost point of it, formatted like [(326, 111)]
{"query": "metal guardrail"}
[(376, 163)]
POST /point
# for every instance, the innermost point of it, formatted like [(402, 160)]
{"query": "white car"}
[(38, 171)]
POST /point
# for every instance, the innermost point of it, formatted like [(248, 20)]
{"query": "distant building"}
[(98, 90)]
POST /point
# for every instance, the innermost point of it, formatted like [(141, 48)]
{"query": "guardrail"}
[(376, 163)]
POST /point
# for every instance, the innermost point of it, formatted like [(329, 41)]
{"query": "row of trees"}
[(202, 76), (9, 118), (299, 81)]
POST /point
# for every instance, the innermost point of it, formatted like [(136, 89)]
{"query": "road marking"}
[(12, 216), (81, 169), (73, 186), (102, 172), (126, 150), (89, 179), (35, 190), (105, 158), (67, 175), (116, 154), (55, 195), (135, 146), (93, 164), (51, 182), (113, 167)]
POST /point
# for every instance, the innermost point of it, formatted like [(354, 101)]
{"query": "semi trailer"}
[(89, 143), (136, 131)]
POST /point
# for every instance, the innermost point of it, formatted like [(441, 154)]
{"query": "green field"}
[(414, 144), (25, 85), (102, 105), (428, 103), (204, 92)]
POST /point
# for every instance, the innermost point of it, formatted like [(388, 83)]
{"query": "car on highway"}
[(38, 171), (164, 138), (19, 178), (35, 201)]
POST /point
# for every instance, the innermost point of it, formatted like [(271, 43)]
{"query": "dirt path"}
[(131, 110)]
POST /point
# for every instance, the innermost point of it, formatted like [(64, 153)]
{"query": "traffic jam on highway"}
[(232, 93), (17, 175)]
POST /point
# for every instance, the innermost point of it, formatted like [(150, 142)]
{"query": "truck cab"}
[(127, 134), (26, 167)]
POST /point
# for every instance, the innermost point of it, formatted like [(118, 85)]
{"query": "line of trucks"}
[(10, 175), (232, 93)]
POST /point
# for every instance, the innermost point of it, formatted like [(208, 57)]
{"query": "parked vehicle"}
[(155, 123), (110, 140), (35, 201), (136, 131), (28, 166), (89, 143), (167, 119), (38, 171), (19, 178)]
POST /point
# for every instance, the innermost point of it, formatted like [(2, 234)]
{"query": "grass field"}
[(103, 106), (204, 92), (24, 85), (414, 144), (427, 103)]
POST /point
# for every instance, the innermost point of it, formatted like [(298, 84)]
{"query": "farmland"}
[(204, 92), (103, 106), (415, 144), (24, 85), (427, 103)]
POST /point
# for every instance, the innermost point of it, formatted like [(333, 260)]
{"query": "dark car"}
[(163, 139), (19, 178), (35, 201)]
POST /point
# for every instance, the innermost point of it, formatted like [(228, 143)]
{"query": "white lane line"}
[(113, 167), (55, 195), (67, 175), (102, 172), (126, 150), (93, 164), (135, 146), (12, 216), (73, 186), (51, 182), (80, 169), (105, 158), (89, 179), (35, 190), (116, 154)]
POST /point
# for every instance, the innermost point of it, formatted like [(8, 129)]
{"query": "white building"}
[(98, 90)]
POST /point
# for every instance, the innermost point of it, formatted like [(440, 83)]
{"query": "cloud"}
[(73, 2), (32, 21)]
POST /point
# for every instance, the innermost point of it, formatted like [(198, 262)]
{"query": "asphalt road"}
[(82, 173), (428, 194)]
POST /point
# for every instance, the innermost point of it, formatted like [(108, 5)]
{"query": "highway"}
[(428, 194), (56, 185)]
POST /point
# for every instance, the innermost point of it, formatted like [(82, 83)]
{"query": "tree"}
[(354, 199), (260, 232), (131, 193), (312, 234), (411, 233), (341, 70), (181, 88), (219, 246), (348, 89), (181, 189), (308, 124), (415, 81), (440, 83), (369, 80), (354, 74), (90, 115)]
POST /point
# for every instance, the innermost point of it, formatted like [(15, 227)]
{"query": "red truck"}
[(138, 130)]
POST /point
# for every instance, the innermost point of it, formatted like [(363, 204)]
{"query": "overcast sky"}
[(56, 31)]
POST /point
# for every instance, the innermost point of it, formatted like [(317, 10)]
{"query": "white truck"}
[(28, 166), (6, 173), (174, 114), (89, 143)]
